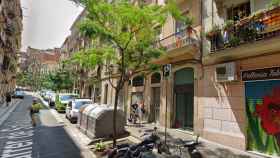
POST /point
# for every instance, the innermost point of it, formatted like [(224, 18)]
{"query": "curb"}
[(7, 114)]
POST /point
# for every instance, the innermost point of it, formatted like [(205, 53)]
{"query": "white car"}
[(51, 99), (72, 109)]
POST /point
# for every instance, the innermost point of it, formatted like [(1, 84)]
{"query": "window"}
[(155, 78), (239, 12), (138, 81)]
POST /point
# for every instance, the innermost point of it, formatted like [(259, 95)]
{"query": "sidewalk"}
[(5, 111), (207, 149)]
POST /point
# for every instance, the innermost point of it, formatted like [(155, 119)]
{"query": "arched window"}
[(155, 78), (138, 81)]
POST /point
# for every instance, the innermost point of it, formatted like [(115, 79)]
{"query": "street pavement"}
[(48, 139)]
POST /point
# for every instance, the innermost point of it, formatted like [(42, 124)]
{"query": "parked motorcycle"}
[(191, 146), (150, 142)]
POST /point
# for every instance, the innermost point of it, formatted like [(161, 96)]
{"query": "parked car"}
[(51, 100), (48, 95), (42, 93), (62, 100), (18, 93), (72, 109)]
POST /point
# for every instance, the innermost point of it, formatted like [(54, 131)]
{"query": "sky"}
[(46, 23)]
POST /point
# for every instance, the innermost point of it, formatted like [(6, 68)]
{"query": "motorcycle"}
[(140, 150)]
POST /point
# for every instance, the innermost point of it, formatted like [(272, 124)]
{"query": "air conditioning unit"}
[(226, 72)]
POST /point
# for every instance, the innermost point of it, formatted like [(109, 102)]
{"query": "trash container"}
[(96, 121)]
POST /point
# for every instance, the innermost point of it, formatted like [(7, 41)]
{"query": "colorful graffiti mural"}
[(263, 115)]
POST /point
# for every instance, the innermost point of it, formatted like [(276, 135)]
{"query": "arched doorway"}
[(184, 94)]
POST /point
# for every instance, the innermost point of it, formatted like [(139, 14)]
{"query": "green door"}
[(184, 94)]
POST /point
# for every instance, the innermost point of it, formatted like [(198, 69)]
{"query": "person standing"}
[(8, 98)]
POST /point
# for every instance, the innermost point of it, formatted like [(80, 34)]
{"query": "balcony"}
[(179, 46), (251, 36)]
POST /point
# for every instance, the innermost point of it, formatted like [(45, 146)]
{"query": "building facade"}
[(43, 61), (85, 83), (241, 75), (10, 43), (225, 75)]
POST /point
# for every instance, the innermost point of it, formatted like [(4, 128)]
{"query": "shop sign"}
[(261, 74)]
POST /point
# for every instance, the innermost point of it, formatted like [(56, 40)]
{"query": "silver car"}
[(72, 109)]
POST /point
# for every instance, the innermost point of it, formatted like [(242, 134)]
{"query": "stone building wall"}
[(10, 42)]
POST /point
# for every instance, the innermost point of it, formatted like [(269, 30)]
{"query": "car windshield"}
[(79, 104), (67, 97)]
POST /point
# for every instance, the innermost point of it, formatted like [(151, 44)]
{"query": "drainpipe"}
[(201, 62), (201, 37)]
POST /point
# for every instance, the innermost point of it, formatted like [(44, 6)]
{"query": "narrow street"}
[(139, 78), (47, 140)]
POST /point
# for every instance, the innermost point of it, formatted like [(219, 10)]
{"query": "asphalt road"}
[(48, 139)]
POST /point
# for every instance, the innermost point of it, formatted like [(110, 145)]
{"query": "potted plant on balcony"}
[(227, 31), (214, 35), (189, 23), (213, 32), (234, 41), (229, 24)]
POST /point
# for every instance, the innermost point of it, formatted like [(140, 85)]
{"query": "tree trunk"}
[(115, 117)]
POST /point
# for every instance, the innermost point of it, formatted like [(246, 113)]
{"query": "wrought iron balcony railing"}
[(177, 40), (259, 26)]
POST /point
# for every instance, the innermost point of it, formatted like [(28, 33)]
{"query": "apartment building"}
[(225, 78), (240, 95), (42, 61), (85, 83), (10, 43)]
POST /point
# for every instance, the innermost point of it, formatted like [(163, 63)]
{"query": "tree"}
[(273, 3), (61, 80), (127, 33)]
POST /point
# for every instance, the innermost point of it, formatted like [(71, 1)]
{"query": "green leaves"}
[(126, 31), (273, 3)]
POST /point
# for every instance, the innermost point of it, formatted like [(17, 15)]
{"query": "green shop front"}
[(262, 90)]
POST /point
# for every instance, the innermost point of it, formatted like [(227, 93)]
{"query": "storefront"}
[(262, 91)]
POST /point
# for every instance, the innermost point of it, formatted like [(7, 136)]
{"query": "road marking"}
[(19, 144)]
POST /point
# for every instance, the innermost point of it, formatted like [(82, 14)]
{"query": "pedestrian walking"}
[(8, 98), (32, 112)]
